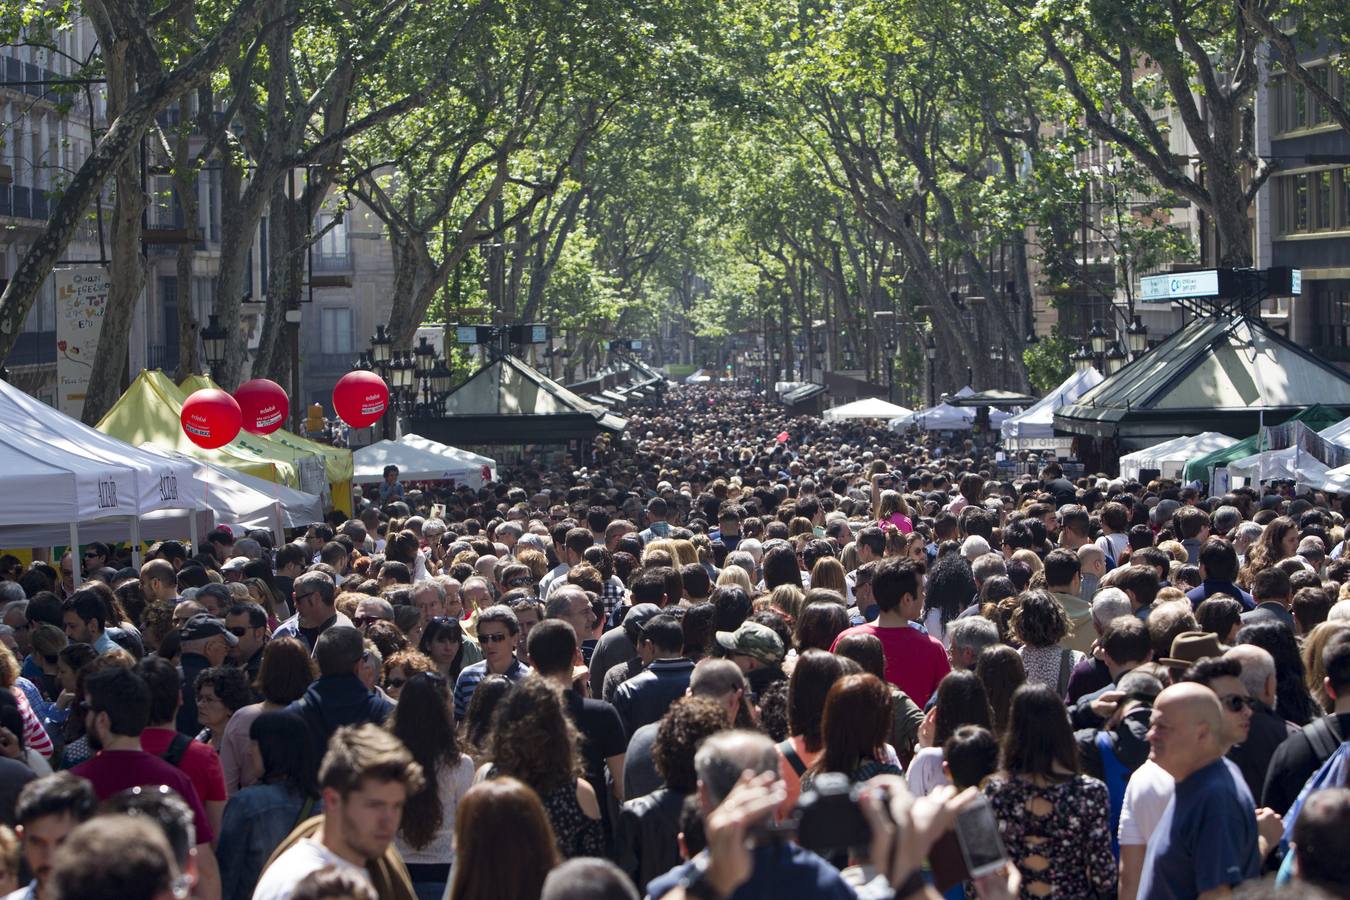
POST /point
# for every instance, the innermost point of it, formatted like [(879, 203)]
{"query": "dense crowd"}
[(730, 655)]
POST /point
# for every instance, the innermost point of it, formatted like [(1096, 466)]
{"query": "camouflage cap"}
[(753, 639)]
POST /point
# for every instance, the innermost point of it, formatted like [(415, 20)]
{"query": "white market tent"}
[(1170, 457), (1292, 463), (1038, 421), (161, 481), (238, 498), (455, 453), (945, 417), (414, 463), (868, 408), (699, 377)]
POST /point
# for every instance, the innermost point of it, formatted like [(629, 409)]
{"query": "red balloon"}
[(360, 398), (211, 418), (264, 405)]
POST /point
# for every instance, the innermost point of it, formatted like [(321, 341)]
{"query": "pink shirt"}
[(900, 521)]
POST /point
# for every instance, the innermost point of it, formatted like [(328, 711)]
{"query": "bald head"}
[(158, 580), (1258, 671), (1186, 732)]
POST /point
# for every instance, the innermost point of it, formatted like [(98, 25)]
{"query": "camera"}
[(828, 819)]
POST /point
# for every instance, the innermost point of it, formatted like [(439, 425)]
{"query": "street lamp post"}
[(1082, 358), (930, 352), (1115, 358), (1137, 336), (214, 337)]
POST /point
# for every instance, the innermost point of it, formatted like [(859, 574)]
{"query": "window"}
[(1322, 75), (1335, 310), (335, 331), (1323, 196), (1298, 107), (1343, 213), (1300, 219)]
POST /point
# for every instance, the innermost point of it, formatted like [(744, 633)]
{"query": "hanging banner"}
[(81, 301)]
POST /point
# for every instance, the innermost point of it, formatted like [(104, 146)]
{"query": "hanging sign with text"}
[(81, 301)]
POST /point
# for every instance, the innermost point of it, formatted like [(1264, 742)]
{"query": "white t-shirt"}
[(925, 772), (1147, 796), (302, 860), (1113, 544)]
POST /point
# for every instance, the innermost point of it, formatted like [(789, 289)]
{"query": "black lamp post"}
[(930, 352), (380, 351), (214, 336), (1115, 358), (1082, 358), (1097, 338), (1137, 336)]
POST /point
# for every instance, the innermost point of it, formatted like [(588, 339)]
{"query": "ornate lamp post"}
[(214, 336)]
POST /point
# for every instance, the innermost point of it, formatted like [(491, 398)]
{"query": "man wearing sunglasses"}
[(94, 557), (248, 623), (314, 599), (498, 633)]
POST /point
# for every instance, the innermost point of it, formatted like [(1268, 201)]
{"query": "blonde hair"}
[(1315, 671), (735, 575), (665, 546), (828, 573), (685, 552), (1029, 557), (789, 598), (1174, 550)]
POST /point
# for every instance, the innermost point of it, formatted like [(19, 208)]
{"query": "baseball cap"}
[(203, 626), (235, 564), (754, 640)]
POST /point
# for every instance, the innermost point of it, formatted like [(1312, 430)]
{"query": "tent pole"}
[(192, 532), (278, 533), (136, 541), (75, 561)]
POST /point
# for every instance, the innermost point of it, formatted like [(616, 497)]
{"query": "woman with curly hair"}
[(477, 724), (221, 692), (648, 826), (504, 845), (1040, 623), (534, 740), (1278, 541), (423, 721)]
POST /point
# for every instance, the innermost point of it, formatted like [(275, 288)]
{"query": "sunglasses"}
[(395, 684), (238, 630), (520, 582), (1235, 703), (92, 554), (361, 621), (492, 638)]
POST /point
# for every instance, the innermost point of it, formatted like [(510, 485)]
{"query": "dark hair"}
[(230, 685), (487, 696), (865, 650), (120, 856), (814, 674), (1139, 579), (1218, 615), (287, 751), (698, 626), (435, 631), (1039, 620), (684, 727), (1310, 607), (1126, 639), (338, 650), (1001, 671), (779, 567), (855, 723), (1336, 662), (504, 844), (59, 794), (166, 687), (423, 722), (950, 587), (820, 623), (665, 633), (286, 671), (695, 580), (1321, 840), (895, 577), (1060, 567), (1271, 584), (1039, 741), (532, 737), (971, 754), (1206, 670), (89, 605), (961, 700), (123, 696), (1291, 690), (732, 607), (1219, 559), (552, 645)]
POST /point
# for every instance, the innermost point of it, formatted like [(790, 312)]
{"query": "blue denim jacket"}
[(257, 819)]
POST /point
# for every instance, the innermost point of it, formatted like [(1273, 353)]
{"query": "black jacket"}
[(1129, 740), (646, 837), (1253, 755), (1299, 758), (191, 665), (336, 700)]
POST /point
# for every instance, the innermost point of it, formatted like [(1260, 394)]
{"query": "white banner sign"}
[(81, 301)]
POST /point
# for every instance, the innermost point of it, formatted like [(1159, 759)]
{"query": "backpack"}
[(177, 749), (1335, 772)]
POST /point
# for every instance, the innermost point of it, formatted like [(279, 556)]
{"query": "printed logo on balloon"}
[(211, 418), (264, 405), (360, 398)]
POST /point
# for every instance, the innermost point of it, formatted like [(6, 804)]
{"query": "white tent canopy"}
[(248, 501), (415, 463), (1291, 463), (868, 408), (160, 481), (1170, 457), (945, 417), (455, 453), (1038, 421)]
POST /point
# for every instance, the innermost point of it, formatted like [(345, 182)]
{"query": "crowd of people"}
[(730, 655)]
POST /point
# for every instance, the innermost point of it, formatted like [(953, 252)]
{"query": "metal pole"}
[(75, 573)]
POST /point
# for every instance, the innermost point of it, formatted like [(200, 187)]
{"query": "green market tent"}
[(1316, 417)]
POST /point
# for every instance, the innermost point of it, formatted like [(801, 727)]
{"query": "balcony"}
[(332, 263), (162, 356), (24, 202)]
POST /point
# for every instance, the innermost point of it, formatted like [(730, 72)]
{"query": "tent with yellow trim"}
[(337, 461), (150, 412)]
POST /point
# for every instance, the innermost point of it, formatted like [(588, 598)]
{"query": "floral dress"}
[(1058, 836)]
